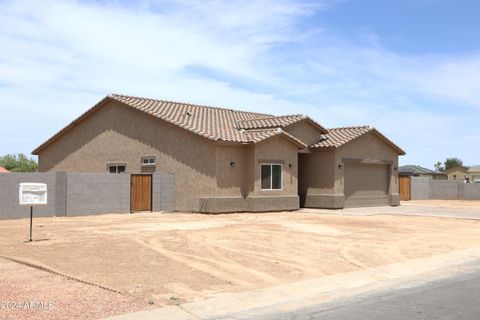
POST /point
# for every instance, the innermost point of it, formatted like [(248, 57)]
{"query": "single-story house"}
[(459, 173), (3, 170), (226, 160), (474, 174), (411, 170)]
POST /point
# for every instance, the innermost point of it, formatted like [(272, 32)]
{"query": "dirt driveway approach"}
[(155, 259)]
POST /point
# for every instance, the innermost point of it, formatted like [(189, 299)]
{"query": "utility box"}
[(32, 194)]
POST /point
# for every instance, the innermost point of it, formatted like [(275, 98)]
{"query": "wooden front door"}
[(141, 192), (404, 188)]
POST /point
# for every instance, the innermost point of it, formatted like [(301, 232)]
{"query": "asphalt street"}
[(456, 298)]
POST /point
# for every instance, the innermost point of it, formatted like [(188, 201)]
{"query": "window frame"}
[(154, 163), (271, 176), (109, 165)]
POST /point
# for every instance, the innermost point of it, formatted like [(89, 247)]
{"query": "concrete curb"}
[(304, 293)]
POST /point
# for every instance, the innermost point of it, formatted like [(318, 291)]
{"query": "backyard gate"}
[(141, 192), (404, 188)]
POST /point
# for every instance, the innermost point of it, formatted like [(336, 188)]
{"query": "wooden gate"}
[(141, 192), (404, 188)]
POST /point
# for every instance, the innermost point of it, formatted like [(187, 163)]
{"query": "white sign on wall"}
[(32, 194)]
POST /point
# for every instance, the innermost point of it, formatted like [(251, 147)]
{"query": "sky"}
[(410, 68)]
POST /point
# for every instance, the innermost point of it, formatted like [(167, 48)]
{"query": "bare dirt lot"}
[(172, 258)]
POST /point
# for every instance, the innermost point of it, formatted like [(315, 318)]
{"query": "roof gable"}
[(338, 137)]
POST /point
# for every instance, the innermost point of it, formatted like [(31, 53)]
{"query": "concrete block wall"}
[(9, 184), (97, 193), (163, 191), (74, 194), (425, 188), (472, 191), (444, 190), (420, 188)]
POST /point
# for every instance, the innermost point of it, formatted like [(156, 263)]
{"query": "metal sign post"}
[(32, 194), (31, 222)]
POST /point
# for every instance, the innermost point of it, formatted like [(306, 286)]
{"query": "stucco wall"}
[(304, 131), (119, 134), (282, 151), (322, 173), (367, 147), (317, 173), (458, 175)]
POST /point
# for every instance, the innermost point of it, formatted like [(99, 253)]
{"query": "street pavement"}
[(457, 297)]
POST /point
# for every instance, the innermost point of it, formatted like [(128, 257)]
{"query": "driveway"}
[(428, 208)]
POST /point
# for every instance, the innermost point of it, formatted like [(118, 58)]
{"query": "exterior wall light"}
[(340, 166), (290, 165), (232, 164), (394, 168)]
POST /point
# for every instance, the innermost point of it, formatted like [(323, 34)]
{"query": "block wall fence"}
[(423, 188), (75, 194)]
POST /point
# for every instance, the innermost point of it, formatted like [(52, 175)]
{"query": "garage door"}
[(366, 185)]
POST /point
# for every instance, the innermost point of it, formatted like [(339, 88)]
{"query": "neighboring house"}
[(226, 160), (474, 174), (458, 173), (418, 171), (3, 170)]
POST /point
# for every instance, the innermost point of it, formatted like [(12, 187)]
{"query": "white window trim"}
[(148, 164), (271, 176), (116, 165)]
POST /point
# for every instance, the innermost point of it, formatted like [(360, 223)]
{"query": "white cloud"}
[(59, 57)]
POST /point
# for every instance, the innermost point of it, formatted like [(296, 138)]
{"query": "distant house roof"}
[(457, 168), (474, 169), (416, 170), (337, 137), (3, 170)]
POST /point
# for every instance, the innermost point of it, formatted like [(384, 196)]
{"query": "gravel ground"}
[(29, 293), (175, 258)]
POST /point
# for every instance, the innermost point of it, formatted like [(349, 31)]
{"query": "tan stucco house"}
[(226, 160), (459, 173), (474, 174)]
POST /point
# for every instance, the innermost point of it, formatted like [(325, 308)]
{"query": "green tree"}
[(439, 166), (18, 163), (449, 163), (453, 162)]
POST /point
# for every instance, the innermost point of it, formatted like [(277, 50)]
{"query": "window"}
[(148, 161), (271, 177), (116, 168)]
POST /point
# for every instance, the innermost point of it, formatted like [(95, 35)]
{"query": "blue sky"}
[(411, 68)]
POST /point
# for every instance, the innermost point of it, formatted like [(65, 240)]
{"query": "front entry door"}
[(141, 192)]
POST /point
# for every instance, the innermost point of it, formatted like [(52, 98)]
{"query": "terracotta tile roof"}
[(337, 137), (257, 135), (3, 170), (217, 124), (209, 122)]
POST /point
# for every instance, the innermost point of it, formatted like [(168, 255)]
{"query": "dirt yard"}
[(156, 259)]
